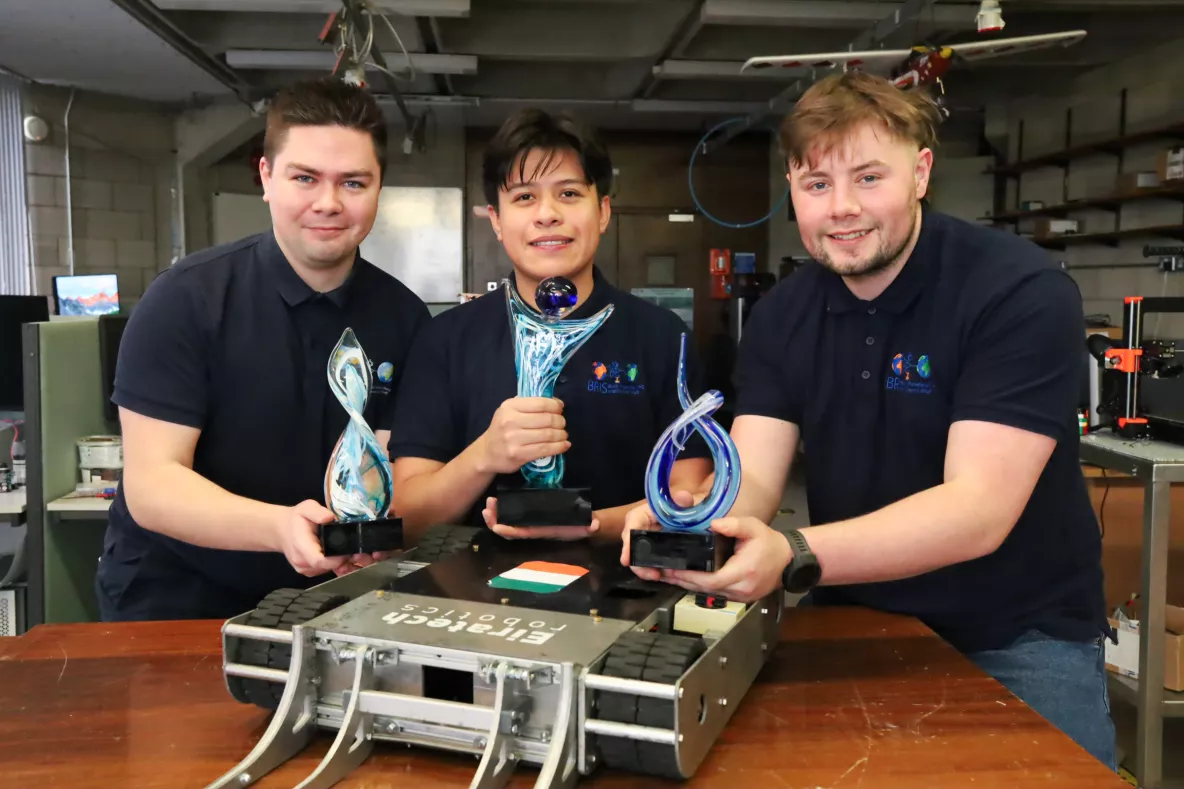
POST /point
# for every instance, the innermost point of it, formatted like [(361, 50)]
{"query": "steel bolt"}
[(764, 647), (764, 611), (514, 729), (476, 548), (392, 727), (723, 702), (594, 612), (680, 690), (505, 600), (723, 660), (244, 779), (680, 738)]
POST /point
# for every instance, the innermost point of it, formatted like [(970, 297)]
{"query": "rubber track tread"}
[(652, 657)]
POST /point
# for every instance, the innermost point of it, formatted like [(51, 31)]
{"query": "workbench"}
[(851, 697), (1157, 465)]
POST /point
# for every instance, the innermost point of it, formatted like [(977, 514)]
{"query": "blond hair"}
[(834, 107)]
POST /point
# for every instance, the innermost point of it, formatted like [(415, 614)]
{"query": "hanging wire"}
[(695, 199)]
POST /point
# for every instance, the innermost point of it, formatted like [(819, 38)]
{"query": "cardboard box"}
[(1171, 164), (1123, 657), (1050, 228), (1133, 182)]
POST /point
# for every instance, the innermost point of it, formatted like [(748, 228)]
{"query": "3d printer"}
[(1142, 392)]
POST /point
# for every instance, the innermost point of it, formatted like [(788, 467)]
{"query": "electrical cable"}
[(695, 199)]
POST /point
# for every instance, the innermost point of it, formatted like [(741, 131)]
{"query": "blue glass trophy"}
[(358, 482), (544, 341), (685, 541)]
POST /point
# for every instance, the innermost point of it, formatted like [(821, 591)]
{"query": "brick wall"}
[(120, 189)]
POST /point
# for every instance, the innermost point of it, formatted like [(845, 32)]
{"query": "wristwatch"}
[(803, 571)]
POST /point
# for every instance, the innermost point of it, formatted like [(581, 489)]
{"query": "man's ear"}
[(922, 171), (265, 176), (606, 213), (495, 221)]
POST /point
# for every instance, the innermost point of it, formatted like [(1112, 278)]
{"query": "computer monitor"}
[(110, 333), (16, 311), (87, 294)]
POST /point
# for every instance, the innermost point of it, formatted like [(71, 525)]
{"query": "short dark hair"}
[(533, 129), (325, 101)]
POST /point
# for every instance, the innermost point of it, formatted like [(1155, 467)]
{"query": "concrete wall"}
[(1152, 83), (121, 154)]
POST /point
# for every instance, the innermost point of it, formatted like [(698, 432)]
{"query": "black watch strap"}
[(803, 571)]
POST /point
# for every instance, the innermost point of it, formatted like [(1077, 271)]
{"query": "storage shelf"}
[(1113, 237), (1111, 146), (1110, 202), (1127, 689)]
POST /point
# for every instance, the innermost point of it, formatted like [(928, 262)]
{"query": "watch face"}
[(803, 577)]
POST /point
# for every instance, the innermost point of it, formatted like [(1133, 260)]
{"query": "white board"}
[(237, 216), (418, 238)]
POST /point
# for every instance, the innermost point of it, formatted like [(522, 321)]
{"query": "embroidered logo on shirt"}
[(910, 374), (615, 378), (386, 371)]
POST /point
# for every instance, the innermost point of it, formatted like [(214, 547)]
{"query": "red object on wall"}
[(721, 262), (720, 286)]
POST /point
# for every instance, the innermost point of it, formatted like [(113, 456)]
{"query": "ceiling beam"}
[(811, 13), (151, 17), (720, 69), (323, 60), (448, 8)]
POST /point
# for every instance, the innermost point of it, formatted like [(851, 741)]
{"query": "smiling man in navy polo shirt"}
[(461, 431), (930, 369), (228, 421)]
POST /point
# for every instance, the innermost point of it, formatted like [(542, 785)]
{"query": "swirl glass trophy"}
[(358, 482), (685, 541), (543, 344)]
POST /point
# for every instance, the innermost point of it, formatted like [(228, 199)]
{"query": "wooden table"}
[(851, 698)]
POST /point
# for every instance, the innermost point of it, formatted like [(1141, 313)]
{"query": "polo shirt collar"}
[(901, 292), (601, 296), (291, 287)]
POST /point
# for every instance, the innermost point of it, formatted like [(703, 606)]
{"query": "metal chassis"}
[(704, 700)]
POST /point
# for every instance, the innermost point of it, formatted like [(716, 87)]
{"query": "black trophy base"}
[(678, 550), (544, 507), (344, 538)]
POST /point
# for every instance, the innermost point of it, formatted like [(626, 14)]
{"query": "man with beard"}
[(227, 417), (930, 368)]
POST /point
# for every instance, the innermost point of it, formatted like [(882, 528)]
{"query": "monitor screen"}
[(87, 294), (14, 312), (110, 333)]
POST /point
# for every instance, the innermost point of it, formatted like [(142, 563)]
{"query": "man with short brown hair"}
[(227, 416), (930, 367)]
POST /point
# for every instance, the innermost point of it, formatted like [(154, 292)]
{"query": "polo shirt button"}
[(871, 310), (866, 375), (563, 379), (870, 340)]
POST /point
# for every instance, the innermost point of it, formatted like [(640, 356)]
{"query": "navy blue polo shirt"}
[(231, 341), (978, 325), (619, 391)]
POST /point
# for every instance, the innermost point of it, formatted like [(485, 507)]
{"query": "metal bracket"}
[(499, 760), (353, 743), (291, 727), (559, 767)]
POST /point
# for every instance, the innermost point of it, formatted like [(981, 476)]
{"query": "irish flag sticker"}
[(539, 577)]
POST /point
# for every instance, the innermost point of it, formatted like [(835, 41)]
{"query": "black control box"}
[(675, 550), (345, 538)]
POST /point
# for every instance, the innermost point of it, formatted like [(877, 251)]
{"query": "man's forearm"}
[(178, 502), (947, 524), (444, 495)]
